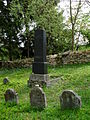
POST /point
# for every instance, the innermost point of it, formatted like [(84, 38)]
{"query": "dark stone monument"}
[(37, 97), (39, 67), (69, 100), (11, 96), (5, 80)]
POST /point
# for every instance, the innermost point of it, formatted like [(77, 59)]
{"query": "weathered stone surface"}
[(5, 80), (76, 57), (69, 99), (37, 97), (11, 96), (70, 58), (40, 79)]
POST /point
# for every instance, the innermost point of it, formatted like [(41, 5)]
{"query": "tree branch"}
[(71, 12), (79, 6)]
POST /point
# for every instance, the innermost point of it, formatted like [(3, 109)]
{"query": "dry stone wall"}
[(15, 64), (70, 58), (76, 57), (61, 59)]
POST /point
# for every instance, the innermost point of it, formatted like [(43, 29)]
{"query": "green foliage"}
[(3, 53), (18, 15), (44, 15), (8, 31), (86, 33), (84, 47), (83, 23), (18, 20), (75, 77)]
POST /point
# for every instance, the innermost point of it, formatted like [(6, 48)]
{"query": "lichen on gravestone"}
[(11, 96), (69, 100), (38, 97)]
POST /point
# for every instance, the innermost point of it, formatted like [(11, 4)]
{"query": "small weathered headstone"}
[(37, 97), (5, 80), (69, 99), (11, 96)]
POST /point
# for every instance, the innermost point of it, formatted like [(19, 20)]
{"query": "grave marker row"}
[(68, 99)]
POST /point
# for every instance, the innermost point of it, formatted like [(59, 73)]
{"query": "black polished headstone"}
[(40, 64)]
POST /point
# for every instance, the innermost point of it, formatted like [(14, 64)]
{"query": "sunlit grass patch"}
[(74, 77)]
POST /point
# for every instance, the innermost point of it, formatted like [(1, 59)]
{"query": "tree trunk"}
[(28, 47), (73, 20), (10, 51), (72, 37)]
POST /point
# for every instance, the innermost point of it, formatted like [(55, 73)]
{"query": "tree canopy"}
[(18, 20)]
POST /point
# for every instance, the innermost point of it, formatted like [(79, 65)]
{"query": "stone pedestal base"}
[(40, 79)]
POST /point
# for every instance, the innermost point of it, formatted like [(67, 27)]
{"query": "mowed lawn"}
[(73, 77)]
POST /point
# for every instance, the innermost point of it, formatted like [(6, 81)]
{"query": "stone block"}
[(40, 79), (39, 68)]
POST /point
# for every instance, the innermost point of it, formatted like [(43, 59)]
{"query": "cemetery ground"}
[(74, 77)]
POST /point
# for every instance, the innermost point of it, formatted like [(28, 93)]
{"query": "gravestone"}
[(37, 97), (5, 80), (11, 96), (69, 100), (39, 68)]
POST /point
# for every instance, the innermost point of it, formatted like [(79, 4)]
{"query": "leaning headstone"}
[(5, 80), (69, 100), (11, 96), (37, 97)]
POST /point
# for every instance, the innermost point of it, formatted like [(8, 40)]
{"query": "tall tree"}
[(9, 30), (41, 14), (73, 20)]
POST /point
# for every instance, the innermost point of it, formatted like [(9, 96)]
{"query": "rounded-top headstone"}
[(11, 96), (69, 99), (5, 80), (37, 97)]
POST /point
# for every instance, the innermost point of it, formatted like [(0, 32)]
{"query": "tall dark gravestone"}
[(40, 64), (39, 67)]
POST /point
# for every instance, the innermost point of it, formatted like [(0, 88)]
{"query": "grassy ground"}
[(84, 47), (75, 77)]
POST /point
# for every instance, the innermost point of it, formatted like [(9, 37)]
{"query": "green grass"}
[(84, 47), (75, 77)]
